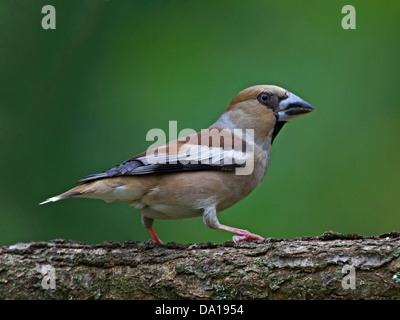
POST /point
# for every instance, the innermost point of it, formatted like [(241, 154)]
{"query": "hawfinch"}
[(202, 173)]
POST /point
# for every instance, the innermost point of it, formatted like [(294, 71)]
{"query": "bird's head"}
[(264, 108)]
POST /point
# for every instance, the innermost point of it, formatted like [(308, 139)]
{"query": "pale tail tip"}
[(54, 199)]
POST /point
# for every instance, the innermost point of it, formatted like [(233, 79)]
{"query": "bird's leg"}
[(155, 239), (148, 224), (211, 220)]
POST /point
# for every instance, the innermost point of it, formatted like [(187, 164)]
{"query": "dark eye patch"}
[(264, 97), (268, 99)]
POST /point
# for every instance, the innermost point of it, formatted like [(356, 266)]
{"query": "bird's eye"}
[(263, 97)]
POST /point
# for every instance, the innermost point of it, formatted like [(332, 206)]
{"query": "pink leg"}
[(155, 239), (241, 234)]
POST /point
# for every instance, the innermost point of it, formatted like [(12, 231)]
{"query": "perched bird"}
[(203, 173)]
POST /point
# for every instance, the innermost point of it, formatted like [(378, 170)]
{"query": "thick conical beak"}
[(292, 107)]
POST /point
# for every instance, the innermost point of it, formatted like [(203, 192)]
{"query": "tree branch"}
[(303, 268)]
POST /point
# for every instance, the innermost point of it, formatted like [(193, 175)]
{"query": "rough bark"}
[(303, 268)]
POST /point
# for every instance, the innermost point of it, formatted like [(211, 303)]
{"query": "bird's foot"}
[(241, 235), (154, 241), (246, 235)]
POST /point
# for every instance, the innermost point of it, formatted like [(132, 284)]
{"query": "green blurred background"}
[(80, 99)]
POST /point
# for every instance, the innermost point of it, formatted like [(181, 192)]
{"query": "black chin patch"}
[(278, 126)]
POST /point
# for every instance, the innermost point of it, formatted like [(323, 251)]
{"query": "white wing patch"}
[(196, 154)]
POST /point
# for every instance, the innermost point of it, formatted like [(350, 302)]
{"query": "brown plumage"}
[(203, 173)]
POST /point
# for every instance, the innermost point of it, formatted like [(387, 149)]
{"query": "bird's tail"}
[(74, 192)]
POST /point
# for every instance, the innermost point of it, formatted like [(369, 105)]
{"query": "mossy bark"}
[(303, 268)]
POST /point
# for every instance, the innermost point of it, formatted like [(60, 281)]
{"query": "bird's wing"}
[(191, 153)]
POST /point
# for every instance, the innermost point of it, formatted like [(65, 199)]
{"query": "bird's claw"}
[(246, 235), (154, 241)]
